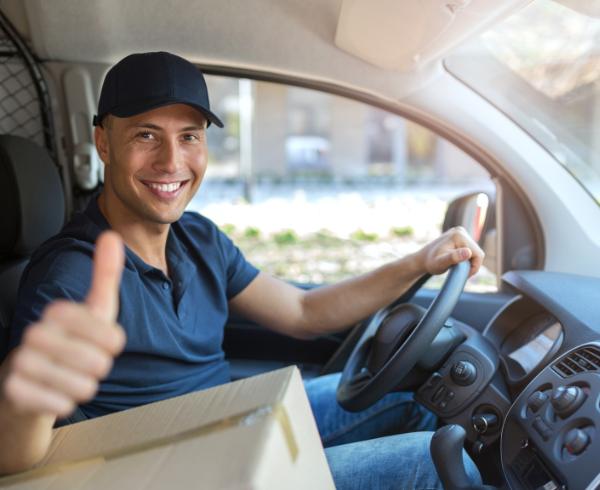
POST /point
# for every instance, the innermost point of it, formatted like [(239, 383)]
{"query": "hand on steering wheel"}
[(380, 360)]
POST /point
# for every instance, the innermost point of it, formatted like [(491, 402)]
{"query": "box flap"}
[(121, 431)]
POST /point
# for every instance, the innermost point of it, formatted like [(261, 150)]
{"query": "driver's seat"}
[(32, 209)]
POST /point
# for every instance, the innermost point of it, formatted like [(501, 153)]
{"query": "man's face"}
[(155, 162)]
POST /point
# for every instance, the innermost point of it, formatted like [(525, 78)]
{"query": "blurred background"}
[(315, 188)]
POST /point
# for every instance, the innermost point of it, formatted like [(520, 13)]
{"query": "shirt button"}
[(165, 285)]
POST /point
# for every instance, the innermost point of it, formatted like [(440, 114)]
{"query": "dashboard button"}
[(542, 428), (448, 397), (566, 399), (576, 441), (536, 401), (463, 373), (439, 394), (433, 380), (484, 422)]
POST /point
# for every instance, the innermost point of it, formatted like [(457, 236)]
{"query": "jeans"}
[(383, 447)]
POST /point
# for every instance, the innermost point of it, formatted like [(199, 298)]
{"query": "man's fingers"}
[(448, 259), (476, 261), (465, 243), (76, 321), (27, 396), (63, 381), (63, 357), (69, 350), (109, 258)]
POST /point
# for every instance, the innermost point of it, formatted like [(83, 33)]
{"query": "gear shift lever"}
[(447, 453)]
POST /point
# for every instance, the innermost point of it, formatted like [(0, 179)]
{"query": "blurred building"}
[(298, 133)]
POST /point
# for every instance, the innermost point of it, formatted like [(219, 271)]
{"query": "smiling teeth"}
[(165, 187)]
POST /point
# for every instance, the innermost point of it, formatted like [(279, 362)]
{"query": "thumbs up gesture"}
[(71, 348)]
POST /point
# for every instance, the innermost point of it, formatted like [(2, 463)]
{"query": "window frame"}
[(497, 173)]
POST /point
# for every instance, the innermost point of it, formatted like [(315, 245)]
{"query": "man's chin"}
[(165, 218)]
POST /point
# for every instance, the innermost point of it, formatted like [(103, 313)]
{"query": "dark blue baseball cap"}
[(144, 81)]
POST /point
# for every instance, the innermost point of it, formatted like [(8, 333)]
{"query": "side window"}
[(315, 188)]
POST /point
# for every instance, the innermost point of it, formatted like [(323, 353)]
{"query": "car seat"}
[(32, 209)]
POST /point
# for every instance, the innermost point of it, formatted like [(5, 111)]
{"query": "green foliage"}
[(251, 232), (325, 238), (363, 236), (228, 229), (286, 237), (402, 231)]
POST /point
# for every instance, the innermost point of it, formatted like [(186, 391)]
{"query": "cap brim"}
[(140, 107)]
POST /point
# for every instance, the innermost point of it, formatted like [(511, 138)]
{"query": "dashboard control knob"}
[(536, 401), (463, 373), (566, 399), (484, 422), (576, 441)]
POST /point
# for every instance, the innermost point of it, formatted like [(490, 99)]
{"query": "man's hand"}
[(71, 348), (449, 249)]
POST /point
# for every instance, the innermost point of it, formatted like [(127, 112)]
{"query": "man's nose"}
[(170, 157)]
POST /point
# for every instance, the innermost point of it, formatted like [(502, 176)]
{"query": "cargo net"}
[(19, 104)]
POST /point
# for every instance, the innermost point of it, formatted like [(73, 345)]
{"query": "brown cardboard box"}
[(256, 433)]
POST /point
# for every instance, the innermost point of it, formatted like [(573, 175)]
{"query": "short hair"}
[(106, 122)]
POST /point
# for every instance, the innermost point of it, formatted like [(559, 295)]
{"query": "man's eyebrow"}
[(146, 126), (195, 127)]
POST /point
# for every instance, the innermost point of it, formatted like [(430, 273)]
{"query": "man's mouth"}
[(165, 189)]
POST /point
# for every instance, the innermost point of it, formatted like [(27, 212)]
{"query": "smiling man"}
[(180, 279)]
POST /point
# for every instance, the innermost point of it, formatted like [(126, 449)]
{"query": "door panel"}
[(252, 349)]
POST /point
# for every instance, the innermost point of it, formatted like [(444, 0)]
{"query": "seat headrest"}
[(32, 205)]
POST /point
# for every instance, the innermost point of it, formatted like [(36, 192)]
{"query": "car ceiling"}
[(294, 37)]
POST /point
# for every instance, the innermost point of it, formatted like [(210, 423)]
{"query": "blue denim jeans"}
[(383, 447)]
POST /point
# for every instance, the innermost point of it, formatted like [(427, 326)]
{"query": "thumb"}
[(109, 258)]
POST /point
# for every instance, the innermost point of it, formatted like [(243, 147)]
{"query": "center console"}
[(550, 438)]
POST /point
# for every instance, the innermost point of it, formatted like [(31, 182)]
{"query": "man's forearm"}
[(24, 438), (304, 314), (337, 306)]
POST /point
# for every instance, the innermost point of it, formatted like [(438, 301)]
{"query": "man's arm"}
[(304, 314), (60, 362)]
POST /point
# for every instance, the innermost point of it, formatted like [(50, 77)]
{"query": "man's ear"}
[(101, 140)]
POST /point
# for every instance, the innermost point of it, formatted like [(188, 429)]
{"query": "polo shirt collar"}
[(177, 255)]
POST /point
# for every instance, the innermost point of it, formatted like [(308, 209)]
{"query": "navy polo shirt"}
[(174, 325)]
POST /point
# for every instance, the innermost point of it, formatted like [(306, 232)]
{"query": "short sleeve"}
[(63, 276), (240, 272)]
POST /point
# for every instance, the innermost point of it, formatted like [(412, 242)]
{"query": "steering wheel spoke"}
[(394, 341)]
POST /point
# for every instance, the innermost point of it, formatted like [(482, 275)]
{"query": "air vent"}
[(581, 360)]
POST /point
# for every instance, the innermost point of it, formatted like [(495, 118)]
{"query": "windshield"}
[(541, 66)]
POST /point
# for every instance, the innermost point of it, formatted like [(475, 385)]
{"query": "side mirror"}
[(476, 213)]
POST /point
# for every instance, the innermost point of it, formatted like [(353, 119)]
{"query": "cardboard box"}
[(256, 433)]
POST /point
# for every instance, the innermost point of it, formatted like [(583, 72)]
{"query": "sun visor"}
[(404, 35)]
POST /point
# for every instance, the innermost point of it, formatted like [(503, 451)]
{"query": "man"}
[(172, 290)]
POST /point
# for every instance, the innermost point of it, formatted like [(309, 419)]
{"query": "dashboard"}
[(527, 389), (550, 438), (550, 435), (522, 356)]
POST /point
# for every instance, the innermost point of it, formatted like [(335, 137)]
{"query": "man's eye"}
[(192, 138), (145, 135)]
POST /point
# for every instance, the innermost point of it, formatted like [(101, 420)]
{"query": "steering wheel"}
[(394, 341)]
